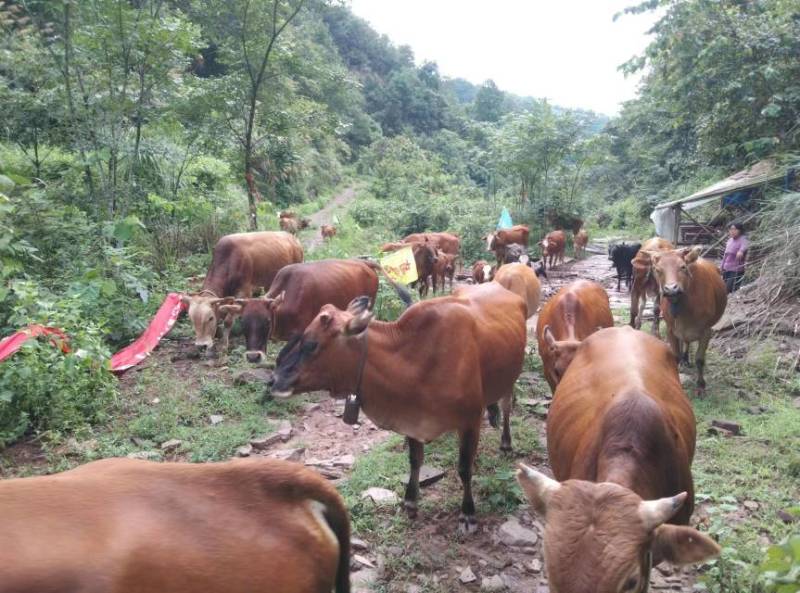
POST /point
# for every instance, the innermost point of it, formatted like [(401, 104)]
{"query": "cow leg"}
[(466, 462), (416, 453), (656, 316), (674, 344), (635, 307), (227, 324), (494, 415), (700, 361), (505, 439)]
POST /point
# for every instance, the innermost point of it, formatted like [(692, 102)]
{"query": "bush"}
[(44, 389)]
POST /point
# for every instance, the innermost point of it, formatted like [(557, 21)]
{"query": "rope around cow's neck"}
[(352, 404)]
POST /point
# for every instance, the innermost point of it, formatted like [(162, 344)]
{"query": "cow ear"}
[(538, 488), (276, 302), (325, 319), (679, 544), (549, 339), (692, 254), (186, 299)]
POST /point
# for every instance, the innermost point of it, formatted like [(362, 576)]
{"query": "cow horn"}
[(655, 512), (538, 488)]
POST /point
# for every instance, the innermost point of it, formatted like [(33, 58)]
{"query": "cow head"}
[(561, 351), (545, 245), (491, 239), (313, 360), (257, 315), (204, 313), (672, 270), (603, 538)]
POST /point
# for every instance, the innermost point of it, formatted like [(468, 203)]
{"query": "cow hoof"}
[(506, 448), (410, 508), (467, 524)]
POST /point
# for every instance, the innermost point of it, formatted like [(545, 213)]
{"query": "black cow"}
[(621, 256)]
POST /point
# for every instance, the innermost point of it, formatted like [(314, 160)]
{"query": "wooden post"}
[(677, 230)]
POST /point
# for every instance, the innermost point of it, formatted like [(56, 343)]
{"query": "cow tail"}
[(404, 295), (336, 516)]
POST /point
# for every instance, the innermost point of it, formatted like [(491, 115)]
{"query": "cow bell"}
[(352, 406)]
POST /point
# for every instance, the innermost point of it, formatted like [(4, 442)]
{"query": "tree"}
[(489, 102)]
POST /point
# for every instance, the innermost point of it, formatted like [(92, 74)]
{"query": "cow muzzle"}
[(672, 292), (280, 385), (254, 356)]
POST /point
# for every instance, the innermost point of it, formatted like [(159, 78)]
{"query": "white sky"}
[(565, 50)]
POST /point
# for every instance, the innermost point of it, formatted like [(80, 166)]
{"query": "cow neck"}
[(363, 376), (213, 286)]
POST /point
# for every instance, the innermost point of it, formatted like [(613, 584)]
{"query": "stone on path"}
[(171, 445), (493, 583), (428, 475), (247, 376), (512, 533), (288, 454), (265, 442), (146, 455), (244, 450), (215, 419), (467, 576), (380, 496), (733, 427), (285, 430)]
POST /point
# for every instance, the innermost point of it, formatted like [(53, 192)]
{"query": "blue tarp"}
[(505, 220)]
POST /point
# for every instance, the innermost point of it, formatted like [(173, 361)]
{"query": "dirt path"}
[(337, 205)]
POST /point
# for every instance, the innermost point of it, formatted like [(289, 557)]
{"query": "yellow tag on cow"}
[(400, 265)]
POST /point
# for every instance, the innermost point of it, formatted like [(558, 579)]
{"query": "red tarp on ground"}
[(164, 319), (14, 342)]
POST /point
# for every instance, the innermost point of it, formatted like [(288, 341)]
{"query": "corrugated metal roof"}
[(760, 173)]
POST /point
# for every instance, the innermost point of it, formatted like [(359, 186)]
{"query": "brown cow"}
[(141, 527), (644, 283), (553, 246), (444, 268), (579, 241), (693, 298), (241, 263), (328, 231), (523, 282), (291, 223), (447, 242), (482, 271), (620, 441), (298, 293), (413, 384), (573, 314), (499, 240)]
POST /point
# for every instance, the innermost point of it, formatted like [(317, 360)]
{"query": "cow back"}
[(522, 281), (308, 286), (621, 394)]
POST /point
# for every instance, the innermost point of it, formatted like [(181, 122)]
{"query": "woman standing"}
[(733, 260)]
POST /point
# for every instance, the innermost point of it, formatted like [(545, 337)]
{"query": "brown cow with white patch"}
[(522, 281), (447, 242), (501, 239), (693, 298), (298, 293), (644, 283), (573, 314), (579, 241), (553, 246), (482, 271), (126, 526), (328, 231), (620, 441), (434, 370), (241, 263)]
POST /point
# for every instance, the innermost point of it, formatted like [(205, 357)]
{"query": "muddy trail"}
[(337, 206)]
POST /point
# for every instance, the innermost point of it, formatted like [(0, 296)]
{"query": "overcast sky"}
[(565, 50)]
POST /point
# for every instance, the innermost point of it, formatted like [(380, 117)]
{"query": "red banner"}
[(131, 355)]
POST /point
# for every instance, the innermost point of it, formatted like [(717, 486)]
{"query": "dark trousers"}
[(733, 280)]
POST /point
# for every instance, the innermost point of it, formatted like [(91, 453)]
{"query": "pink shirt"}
[(729, 261)]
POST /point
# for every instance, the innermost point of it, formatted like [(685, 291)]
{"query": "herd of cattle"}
[(620, 431)]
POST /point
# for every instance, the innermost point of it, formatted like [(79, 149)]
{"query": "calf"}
[(328, 231), (621, 256), (620, 441), (573, 314), (434, 370), (644, 283), (693, 298), (296, 296), (522, 281), (444, 268), (126, 526), (501, 239), (241, 263), (579, 241), (482, 271), (553, 247)]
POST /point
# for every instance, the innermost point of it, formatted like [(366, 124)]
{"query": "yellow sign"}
[(400, 265)]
